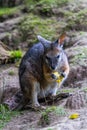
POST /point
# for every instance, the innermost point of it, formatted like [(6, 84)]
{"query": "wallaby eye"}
[(58, 56), (47, 58)]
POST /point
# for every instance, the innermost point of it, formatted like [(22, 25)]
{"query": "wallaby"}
[(37, 67)]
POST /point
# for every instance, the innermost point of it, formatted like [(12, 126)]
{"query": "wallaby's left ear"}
[(62, 39), (43, 40), (45, 43)]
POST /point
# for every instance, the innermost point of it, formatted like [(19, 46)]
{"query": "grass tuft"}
[(11, 73), (16, 54), (6, 115), (45, 115)]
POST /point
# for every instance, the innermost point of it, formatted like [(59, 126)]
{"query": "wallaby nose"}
[(53, 67)]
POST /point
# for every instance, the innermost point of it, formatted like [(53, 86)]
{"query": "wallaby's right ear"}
[(62, 39)]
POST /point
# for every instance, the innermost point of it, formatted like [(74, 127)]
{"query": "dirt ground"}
[(30, 120)]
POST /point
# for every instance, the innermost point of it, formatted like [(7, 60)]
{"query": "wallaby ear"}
[(43, 40), (62, 39)]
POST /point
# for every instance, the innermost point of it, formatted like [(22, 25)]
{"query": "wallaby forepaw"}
[(42, 107), (38, 107)]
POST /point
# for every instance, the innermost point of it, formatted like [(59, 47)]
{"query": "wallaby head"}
[(53, 51)]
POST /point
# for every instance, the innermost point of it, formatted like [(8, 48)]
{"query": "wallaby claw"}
[(62, 74), (53, 76)]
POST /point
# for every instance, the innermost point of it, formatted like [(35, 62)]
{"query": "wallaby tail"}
[(17, 102)]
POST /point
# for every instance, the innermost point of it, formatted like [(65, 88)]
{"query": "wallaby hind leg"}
[(30, 88), (34, 94)]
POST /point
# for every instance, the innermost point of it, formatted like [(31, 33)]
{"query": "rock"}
[(76, 101), (9, 33), (3, 52), (9, 25)]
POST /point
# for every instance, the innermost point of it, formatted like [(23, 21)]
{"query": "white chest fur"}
[(49, 89)]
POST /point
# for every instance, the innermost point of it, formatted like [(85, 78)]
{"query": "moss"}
[(44, 6), (81, 56), (82, 33), (82, 13), (46, 2), (81, 16), (11, 73), (8, 11), (76, 20), (68, 14), (33, 25), (85, 89), (67, 90), (49, 129)]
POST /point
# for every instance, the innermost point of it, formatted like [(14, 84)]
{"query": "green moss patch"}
[(81, 56), (49, 3), (44, 7), (76, 20), (8, 11), (32, 25)]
